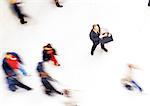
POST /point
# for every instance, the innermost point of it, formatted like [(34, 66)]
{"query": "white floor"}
[(95, 79)]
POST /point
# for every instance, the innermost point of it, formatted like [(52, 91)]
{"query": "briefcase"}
[(107, 39)]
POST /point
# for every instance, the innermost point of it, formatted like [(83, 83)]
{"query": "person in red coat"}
[(12, 65), (49, 54)]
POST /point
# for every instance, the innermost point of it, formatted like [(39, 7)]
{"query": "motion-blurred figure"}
[(97, 36), (128, 81), (49, 54), (18, 11), (11, 66), (57, 3), (46, 80), (70, 100)]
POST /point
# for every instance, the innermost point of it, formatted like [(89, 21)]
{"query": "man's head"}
[(96, 28)]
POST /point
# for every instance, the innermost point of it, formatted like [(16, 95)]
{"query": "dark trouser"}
[(95, 45), (48, 87), (18, 12), (13, 82), (149, 3)]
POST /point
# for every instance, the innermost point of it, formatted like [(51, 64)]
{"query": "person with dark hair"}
[(49, 54), (17, 10), (46, 80), (98, 37), (58, 4), (11, 64)]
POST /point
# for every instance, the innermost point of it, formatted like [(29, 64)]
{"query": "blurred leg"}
[(22, 85), (11, 84)]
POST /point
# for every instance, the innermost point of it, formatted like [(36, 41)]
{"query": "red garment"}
[(13, 62), (51, 53)]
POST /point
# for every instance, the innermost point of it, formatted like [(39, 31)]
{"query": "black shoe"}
[(92, 53), (23, 22), (29, 89), (58, 5), (62, 94), (148, 4), (14, 90), (140, 89), (105, 49), (48, 92), (129, 87)]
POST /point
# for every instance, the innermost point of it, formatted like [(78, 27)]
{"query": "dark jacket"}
[(94, 37), (47, 56)]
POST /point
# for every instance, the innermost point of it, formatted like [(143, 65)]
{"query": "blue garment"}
[(11, 83), (134, 83), (40, 67), (23, 71)]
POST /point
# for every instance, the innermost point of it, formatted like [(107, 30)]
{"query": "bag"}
[(107, 39)]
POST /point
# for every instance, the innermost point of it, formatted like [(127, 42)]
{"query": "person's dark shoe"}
[(57, 64), (49, 93), (58, 5), (29, 89), (149, 4), (92, 53), (140, 89), (105, 49), (129, 87), (23, 22), (13, 90)]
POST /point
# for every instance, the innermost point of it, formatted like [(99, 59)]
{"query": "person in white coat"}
[(128, 81)]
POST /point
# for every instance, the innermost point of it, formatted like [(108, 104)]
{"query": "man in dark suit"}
[(99, 37), (94, 36)]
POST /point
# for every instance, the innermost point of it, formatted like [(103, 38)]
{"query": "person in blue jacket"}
[(95, 37), (11, 73), (46, 79)]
